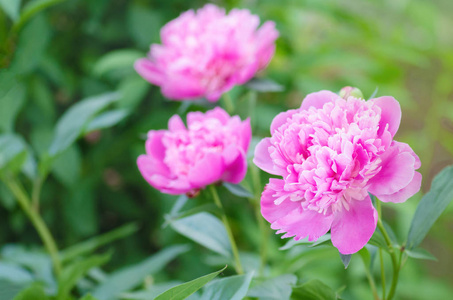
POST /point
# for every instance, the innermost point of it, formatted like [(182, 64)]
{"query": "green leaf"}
[(31, 46), (378, 240), (144, 25), (345, 259), (12, 151), (107, 119), (313, 290), (129, 277), (74, 120), (92, 244), (35, 292), (366, 257), (122, 60), (7, 81), (278, 288), (420, 253), (88, 297), (32, 8), (151, 292), (184, 290), (9, 290), (133, 90), (75, 271), (66, 167), (11, 8), (431, 207), (237, 190), (14, 273), (264, 85), (206, 230), (232, 288), (10, 105)]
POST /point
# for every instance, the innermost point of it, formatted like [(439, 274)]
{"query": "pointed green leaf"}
[(184, 290), (238, 190), (345, 259), (32, 8), (313, 290), (35, 292), (88, 297), (431, 207), (232, 288), (420, 253), (277, 288), (206, 230), (107, 119), (11, 104), (11, 8), (12, 151), (117, 60)]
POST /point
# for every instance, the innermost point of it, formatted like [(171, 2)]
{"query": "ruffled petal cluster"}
[(330, 153), (183, 159), (205, 53)]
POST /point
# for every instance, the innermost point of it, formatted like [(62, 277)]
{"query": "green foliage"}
[(233, 287), (313, 290)]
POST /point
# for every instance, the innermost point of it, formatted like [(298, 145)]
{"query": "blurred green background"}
[(80, 48)]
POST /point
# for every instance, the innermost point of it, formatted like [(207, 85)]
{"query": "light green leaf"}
[(75, 271), (264, 85), (10, 105), (88, 297), (11, 8), (74, 120), (420, 253), (313, 290), (184, 290), (12, 151), (35, 292), (278, 288), (8, 289), (129, 277), (122, 60), (133, 90), (431, 207), (66, 166), (378, 240), (32, 8), (107, 119), (345, 259), (237, 190), (232, 288), (92, 244), (206, 230), (14, 273)]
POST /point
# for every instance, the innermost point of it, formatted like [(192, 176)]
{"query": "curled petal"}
[(175, 123), (390, 114), (235, 165), (405, 193), (353, 228), (262, 157), (149, 71), (206, 171), (282, 118), (318, 99)]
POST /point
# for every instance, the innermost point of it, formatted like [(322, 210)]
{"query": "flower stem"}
[(381, 258), (396, 264), (38, 223), (262, 225), (229, 106), (234, 248)]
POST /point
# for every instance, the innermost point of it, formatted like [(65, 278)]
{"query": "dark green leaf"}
[(75, 271), (277, 288), (151, 292), (264, 85), (129, 277), (92, 244), (10, 106), (66, 167), (232, 288), (144, 25), (431, 207), (74, 120), (32, 8), (313, 290), (206, 230), (420, 253), (345, 259), (238, 190), (184, 290)]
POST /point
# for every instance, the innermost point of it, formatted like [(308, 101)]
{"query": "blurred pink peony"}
[(331, 152), (183, 160), (206, 53)]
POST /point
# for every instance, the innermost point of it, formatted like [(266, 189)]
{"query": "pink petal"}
[(235, 165), (154, 145), (175, 123), (246, 134), (353, 228), (208, 170), (270, 211), (390, 114), (181, 87), (318, 99), (403, 147), (149, 71), (219, 114), (402, 195), (281, 119), (396, 173), (262, 157)]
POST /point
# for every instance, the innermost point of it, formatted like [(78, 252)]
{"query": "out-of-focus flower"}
[(331, 152), (205, 53), (183, 160)]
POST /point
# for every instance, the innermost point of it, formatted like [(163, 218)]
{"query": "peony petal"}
[(396, 173), (219, 114), (281, 119), (262, 157), (402, 195), (390, 114), (270, 211), (246, 134), (353, 228), (206, 171), (154, 145), (149, 71), (318, 99), (182, 87), (175, 123), (235, 165)]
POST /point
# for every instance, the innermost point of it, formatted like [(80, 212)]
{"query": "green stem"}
[(395, 264), (36, 191), (229, 106), (381, 258), (264, 230), (234, 248), (37, 222), (372, 284)]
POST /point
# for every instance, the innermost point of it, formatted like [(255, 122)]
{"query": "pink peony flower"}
[(182, 160), (206, 53), (331, 152)]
